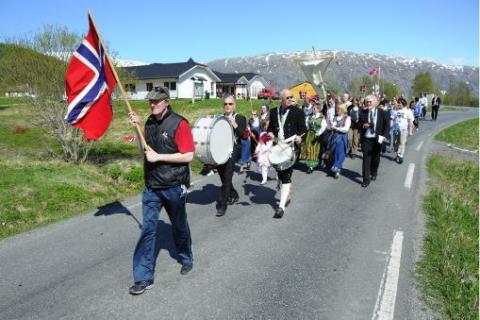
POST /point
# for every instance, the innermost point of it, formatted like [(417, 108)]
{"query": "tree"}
[(332, 86), (423, 83), (389, 89), (354, 86), (40, 63), (459, 94)]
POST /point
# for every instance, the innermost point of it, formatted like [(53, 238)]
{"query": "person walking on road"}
[(168, 152), (375, 127), (436, 101)]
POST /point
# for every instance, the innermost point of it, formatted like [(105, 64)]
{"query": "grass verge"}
[(448, 271), (38, 189), (463, 134)]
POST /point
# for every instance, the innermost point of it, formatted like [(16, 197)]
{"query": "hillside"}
[(281, 71)]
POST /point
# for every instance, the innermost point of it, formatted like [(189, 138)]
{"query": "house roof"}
[(163, 70), (234, 77)]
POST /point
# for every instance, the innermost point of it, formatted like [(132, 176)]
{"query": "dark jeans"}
[(173, 199), (435, 112), (371, 158), (225, 171)]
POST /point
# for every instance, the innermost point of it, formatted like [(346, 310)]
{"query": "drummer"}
[(228, 194), (285, 122)]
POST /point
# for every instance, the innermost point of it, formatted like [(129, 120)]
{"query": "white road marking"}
[(409, 177), (419, 146), (385, 305)]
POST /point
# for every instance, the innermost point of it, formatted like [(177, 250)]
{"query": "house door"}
[(198, 89)]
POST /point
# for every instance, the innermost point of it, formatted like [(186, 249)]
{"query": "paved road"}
[(340, 252)]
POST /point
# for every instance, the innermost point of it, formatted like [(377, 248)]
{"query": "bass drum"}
[(282, 156), (214, 139)]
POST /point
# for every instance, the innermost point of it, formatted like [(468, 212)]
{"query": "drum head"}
[(221, 141), (280, 153)]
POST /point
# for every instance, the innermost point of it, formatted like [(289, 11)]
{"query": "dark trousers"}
[(435, 112), (285, 176), (153, 200), (371, 158), (225, 171)]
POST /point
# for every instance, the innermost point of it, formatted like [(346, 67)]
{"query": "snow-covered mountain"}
[(128, 63), (282, 71)]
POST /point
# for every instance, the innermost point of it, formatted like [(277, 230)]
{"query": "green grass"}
[(448, 272), (36, 193), (37, 189), (452, 108), (6, 101), (463, 134)]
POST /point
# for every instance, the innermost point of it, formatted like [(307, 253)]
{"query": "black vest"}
[(160, 136)]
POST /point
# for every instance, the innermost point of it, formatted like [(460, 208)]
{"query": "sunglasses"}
[(228, 104)]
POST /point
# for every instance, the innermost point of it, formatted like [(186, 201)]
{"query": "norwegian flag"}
[(374, 71), (89, 85)]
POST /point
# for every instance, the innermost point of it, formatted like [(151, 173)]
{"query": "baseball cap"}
[(158, 93)]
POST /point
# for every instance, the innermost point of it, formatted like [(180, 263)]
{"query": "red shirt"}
[(184, 138)]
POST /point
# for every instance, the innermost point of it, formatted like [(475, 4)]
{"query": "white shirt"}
[(402, 117), (424, 101), (370, 132), (346, 125)]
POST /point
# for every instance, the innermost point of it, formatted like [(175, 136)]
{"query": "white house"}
[(184, 79), (191, 79), (240, 85)]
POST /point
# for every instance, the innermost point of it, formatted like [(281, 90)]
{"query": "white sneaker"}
[(263, 182)]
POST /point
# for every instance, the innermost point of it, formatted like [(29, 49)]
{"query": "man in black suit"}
[(436, 101), (286, 121), (375, 126), (228, 194)]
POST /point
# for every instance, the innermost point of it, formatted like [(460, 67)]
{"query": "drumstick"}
[(289, 140)]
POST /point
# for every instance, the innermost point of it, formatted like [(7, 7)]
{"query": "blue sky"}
[(444, 31)]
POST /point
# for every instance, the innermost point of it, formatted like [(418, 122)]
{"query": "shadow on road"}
[(260, 194), (352, 175), (208, 194), (165, 241), (116, 208)]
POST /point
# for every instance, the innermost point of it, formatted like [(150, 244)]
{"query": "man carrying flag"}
[(90, 82)]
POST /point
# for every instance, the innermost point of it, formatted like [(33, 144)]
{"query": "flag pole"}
[(124, 95)]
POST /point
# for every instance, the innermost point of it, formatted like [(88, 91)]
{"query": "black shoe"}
[(278, 213), (186, 268), (309, 170), (400, 160), (221, 209), (140, 287), (373, 178), (365, 184), (233, 199)]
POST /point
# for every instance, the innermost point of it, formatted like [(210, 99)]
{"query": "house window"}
[(173, 86), (130, 87), (149, 86), (165, 84)]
